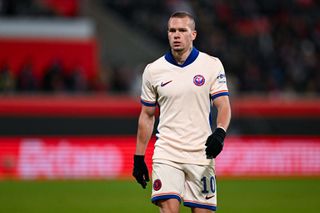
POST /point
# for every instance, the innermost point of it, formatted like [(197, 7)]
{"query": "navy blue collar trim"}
[(191, 58)]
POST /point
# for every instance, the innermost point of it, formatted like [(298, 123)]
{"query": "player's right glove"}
[(140, 170), (215, 143)]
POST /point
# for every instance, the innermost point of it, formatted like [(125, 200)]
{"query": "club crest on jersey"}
[(198, 80), (157, 184)]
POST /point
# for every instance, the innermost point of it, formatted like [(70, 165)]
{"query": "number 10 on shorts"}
[(208, 184)]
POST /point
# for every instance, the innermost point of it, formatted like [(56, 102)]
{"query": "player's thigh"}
[(169, 206), (167, 182), (200, 192), (201, 210)]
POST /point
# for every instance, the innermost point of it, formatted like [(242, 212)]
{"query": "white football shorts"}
[(195, 185)]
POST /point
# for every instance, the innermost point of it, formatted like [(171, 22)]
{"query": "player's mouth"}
[(176, 43)]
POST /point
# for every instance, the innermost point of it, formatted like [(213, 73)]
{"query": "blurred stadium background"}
[(69, 101)]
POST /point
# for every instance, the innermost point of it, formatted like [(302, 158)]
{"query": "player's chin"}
[(177, 48)]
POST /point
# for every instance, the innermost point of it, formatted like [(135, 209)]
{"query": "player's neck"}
[(181, 56)]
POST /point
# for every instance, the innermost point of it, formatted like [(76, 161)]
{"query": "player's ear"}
[(193, 34)]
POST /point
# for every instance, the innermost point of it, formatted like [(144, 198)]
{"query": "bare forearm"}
[(145, 129), (223, 118), (224, 113)]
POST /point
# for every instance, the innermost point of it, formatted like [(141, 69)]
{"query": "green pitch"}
[(247, 196)]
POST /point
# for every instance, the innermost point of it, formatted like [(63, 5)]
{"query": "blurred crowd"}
[(267, 46), (54, 78)]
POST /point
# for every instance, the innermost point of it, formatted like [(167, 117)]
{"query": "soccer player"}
[(183, 83)]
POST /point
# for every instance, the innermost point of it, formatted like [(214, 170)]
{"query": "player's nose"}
[(176, 36)]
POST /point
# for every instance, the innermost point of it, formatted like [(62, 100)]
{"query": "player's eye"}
[(172, 30)]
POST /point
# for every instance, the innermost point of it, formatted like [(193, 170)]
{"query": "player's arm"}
[(145, 129), (222, 104), (215, 141)]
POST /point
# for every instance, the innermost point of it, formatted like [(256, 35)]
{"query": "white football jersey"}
[(183, 93)]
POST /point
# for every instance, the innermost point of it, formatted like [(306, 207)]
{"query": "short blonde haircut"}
[(183, 14)]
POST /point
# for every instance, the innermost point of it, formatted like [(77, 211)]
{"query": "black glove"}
[(140, 170), (215, 143)]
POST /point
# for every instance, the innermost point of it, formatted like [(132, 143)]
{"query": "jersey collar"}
[(191, 58)]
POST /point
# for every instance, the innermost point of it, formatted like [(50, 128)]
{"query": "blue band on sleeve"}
[(219, 94), (150, 104)]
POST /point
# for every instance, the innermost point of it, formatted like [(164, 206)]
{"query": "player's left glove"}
[(140, 170), (215, 143)]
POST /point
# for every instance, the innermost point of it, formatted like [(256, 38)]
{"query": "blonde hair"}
[(183, 14)]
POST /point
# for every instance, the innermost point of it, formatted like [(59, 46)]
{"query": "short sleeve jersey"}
[(183, 94)]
